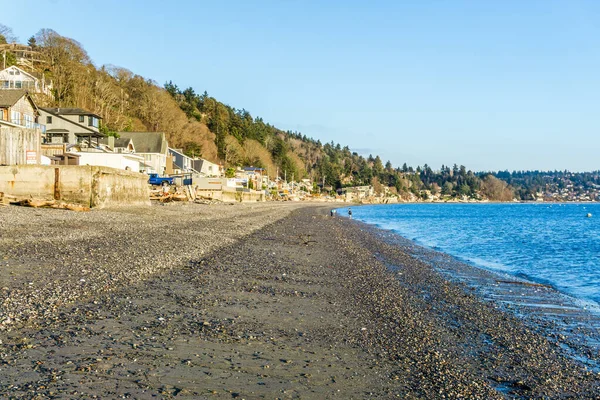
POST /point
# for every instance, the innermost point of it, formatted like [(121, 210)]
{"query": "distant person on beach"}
[(333, 213), (350, 213)]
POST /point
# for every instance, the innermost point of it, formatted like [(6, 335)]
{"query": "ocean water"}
[(554, 244)]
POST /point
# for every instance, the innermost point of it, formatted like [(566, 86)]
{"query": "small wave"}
[(549, 244)]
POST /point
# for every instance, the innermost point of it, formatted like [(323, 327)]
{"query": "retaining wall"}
[(82, 184), (228, 194)]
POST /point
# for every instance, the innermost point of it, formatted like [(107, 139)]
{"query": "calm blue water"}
[(549, 243)]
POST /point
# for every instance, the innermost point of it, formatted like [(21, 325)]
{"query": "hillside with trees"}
[(202, 126)]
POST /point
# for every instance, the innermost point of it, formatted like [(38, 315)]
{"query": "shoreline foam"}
[(541, 306)]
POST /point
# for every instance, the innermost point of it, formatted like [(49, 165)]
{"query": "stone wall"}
[(82, 184)]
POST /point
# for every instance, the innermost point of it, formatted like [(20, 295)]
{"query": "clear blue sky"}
[(489, 84)]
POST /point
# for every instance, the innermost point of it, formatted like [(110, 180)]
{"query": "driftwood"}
[(183, 194), (166, 198), (6, 199), (205, 200), (179, 197), (73, 207), (38, 203), (191, 193)]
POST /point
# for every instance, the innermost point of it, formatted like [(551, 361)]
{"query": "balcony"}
[(26, 123)]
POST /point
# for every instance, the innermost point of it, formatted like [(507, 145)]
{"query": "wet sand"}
[(251, 302)]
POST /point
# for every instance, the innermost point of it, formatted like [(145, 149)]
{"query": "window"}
[(15, 117), (11, 72), (48, 119), (18, 84), (4, 84), (90, 121), (28, 121), (81, 119)]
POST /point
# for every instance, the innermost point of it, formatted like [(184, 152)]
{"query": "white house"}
[(152, 146), (14, 77), (356, 192), (130, 162), (118, 145), (207, 168)]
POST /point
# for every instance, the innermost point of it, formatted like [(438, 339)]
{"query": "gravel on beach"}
[(267, 300)]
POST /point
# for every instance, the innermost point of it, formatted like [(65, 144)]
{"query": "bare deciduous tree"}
[(7, 35)]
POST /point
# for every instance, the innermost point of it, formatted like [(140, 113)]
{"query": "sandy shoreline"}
[(292, 304)]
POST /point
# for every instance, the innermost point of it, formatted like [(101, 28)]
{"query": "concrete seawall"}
[(82, 184)]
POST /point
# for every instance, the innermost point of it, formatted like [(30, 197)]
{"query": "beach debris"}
[(39, 203), (206, 200), (166, 196), (306, 239)]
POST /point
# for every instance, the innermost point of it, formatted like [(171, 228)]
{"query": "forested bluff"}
[(205, 127)]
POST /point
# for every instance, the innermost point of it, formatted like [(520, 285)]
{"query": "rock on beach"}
[(266, 300)]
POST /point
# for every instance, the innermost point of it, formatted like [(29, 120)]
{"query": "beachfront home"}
[(71, 125), (181, 162), (126, 161), (356, 193), (20, 134), (118, 145), (18, 108), (207, 168), (16, 78), (152, 146), (258, 176)]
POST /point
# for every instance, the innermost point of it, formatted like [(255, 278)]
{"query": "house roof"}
[(71, 111), (147, 142), (22, 71), (93, 134), (80, 129), (119, 142), (178, 151), (8, 98)]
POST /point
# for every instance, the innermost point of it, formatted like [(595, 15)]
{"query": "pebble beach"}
[(250, 301)]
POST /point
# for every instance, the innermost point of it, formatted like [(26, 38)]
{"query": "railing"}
[(16, 84), (51, 150), (25, 123)]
